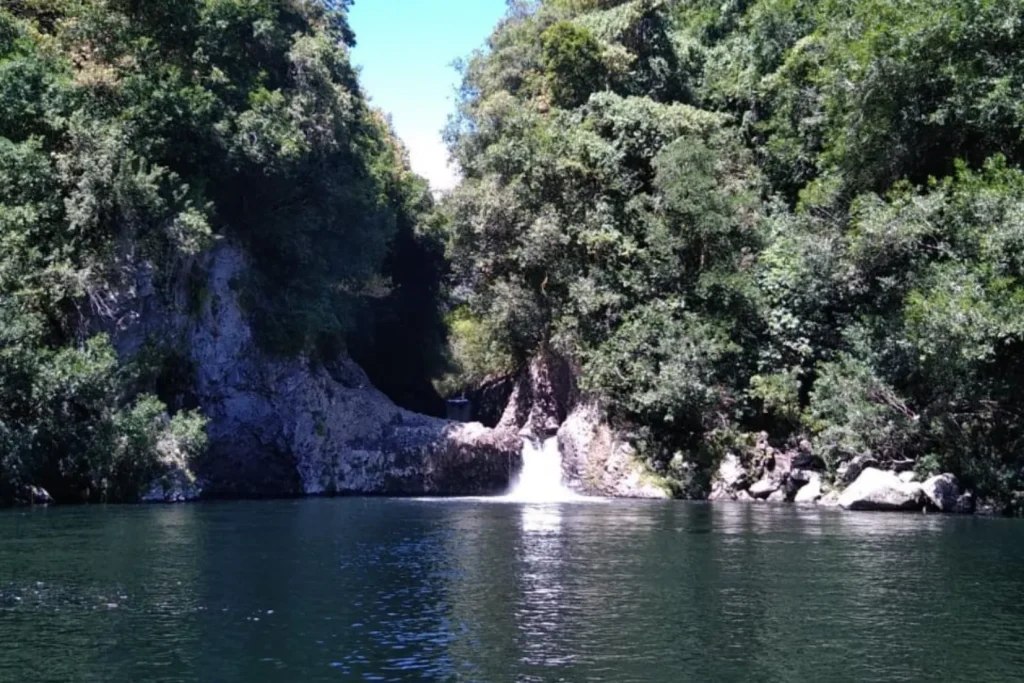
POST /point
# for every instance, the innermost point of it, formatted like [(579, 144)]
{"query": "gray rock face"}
[(810, 492), (943, 491), (288, 426), (597, 461), (878, 490)]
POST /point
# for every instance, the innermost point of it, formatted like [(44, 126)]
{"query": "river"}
[(471, 590)]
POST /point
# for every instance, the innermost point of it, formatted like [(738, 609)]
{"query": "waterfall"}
[(540, 480)]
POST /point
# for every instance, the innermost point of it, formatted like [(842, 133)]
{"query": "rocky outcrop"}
[(773, 475), (876, 489), (289, 426), (597, 461), (542, 397), (943, 491)]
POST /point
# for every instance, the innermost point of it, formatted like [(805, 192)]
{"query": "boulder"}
[(875, 489), (849, 471), (943, 491), (764, 487), (778, 496), (809, 492), (907, 477)]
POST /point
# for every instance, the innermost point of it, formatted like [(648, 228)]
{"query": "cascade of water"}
[(540, 480)]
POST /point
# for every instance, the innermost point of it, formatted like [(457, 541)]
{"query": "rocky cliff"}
[(288, 426), (596, 459)]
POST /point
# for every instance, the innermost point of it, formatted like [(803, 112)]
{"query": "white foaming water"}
[(540, 480)]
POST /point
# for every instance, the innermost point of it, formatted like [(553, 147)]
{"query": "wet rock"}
[(943, 491), (778, 496), (875, 489)]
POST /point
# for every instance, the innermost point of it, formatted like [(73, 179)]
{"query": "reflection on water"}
[(539, 614), (472, 591)]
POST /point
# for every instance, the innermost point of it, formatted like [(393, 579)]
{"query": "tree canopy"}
[(143, 131), (798, 216)]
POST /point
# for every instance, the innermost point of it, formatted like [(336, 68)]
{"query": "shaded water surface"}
[(352, 589)]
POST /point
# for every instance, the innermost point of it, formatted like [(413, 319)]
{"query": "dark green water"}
[(326, 590)]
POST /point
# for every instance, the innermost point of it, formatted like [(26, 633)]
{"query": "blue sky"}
[(405, 49)]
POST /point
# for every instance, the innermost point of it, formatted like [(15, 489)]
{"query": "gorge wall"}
[(289, 426)]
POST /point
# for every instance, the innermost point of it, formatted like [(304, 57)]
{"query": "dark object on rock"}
[(849, 471), (809, 492), (808, 461), (964, 504)]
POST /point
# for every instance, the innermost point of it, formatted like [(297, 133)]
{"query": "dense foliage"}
[(141, 132), (802, 216)]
